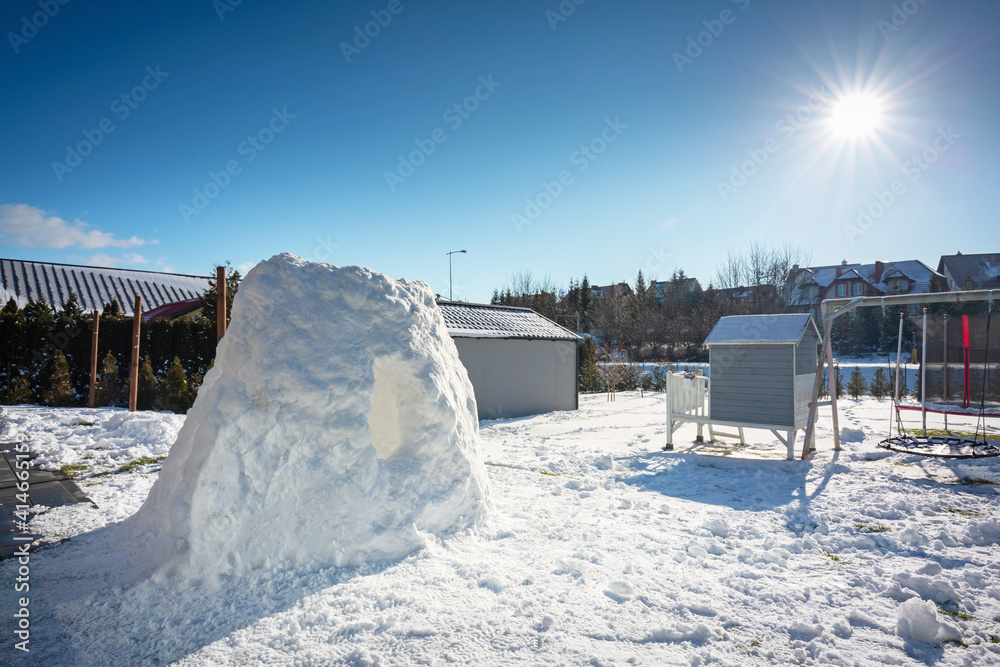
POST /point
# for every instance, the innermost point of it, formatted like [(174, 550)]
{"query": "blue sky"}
[(598, 137)]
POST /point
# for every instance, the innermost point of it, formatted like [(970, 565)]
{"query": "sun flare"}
[(856, 115)]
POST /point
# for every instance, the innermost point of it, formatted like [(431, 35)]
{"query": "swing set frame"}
[(831, 309)]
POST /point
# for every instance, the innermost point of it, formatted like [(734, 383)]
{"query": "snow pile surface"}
[(336, 426)]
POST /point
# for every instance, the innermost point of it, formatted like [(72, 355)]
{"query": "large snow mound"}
[(335, 427)]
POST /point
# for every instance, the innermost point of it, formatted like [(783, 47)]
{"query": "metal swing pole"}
[(923, 374), (899, 353), (945, 387)]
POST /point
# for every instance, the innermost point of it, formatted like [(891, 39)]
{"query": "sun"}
[(856, 115)]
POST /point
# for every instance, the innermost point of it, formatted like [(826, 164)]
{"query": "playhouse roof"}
[(473, 320), (754, 329)]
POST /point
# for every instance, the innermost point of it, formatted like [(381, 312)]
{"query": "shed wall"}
[(513, 378), (753, 384)]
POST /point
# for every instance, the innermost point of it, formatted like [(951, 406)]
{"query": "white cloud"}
[(129, 259), (245, 267), (29, 227)]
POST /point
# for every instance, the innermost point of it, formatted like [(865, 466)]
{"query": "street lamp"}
[(450, 296)]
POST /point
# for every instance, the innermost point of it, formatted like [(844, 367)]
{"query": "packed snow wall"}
[(335, 427)]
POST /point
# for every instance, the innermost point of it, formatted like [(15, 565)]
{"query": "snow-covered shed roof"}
[(94, 286), (751, 329), (473, 320)]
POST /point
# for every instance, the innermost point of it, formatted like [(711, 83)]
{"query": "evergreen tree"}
[(10, 308), (857, 387), (881, 386), (904, 387), (640, 285), (839, 377), (71, 309), (17, 392), (174, 393), (590, 380), (109, 389), (111, 310), (60, 392), (209, 302), (146, 394)]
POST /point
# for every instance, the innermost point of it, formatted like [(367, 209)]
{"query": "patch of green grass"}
[(938, 432), (975, 481), (72, 470), (905, 465), (141, 461), (961, 512), (872, 527), (754, 643), (955, 613), (82, 424), (994, 639), (834, 557), (132, 465)]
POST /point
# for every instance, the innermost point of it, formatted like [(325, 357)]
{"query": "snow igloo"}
[(336, 427)]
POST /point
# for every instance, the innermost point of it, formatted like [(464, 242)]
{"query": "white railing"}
[(687, 395)]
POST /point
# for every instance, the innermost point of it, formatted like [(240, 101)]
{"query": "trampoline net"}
[(957, 359)]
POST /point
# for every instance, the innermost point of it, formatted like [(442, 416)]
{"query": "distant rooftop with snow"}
[(472, 320)]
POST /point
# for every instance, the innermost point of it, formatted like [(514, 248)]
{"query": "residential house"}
[(607, 290), (806, 287), (970, 271), (686, 286)]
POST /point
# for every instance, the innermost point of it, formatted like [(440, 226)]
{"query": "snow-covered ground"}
[(601, 549)]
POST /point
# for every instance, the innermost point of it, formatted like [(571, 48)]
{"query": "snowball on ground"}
[(336, 426)]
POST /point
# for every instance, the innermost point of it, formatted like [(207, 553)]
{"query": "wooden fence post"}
[(93, 359), (133, 385), (220, 304)]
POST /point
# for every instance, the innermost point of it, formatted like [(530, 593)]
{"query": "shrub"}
[(109, 388), (146, 393), (857, 387), (60, 392), (881, 386), (174, 393)]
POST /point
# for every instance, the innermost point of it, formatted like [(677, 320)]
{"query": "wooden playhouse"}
[(761, 374)]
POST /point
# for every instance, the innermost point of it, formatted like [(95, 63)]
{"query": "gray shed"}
[(762, 369), (519, 362)]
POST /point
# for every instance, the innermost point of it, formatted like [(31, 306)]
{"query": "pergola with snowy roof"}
[(761, 374), (519, 362)]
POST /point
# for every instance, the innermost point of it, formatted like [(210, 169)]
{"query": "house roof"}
[(752, 329), (982, 270), (94, 286), (473, 320), (173, 310), (824, 276)]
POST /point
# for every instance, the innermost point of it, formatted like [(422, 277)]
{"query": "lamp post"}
[(450, 296)]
